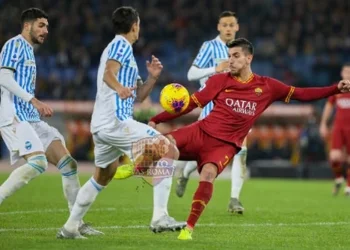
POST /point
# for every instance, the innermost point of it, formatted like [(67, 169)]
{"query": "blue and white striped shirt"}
[(211, 54), (108, 105), (18, 54)]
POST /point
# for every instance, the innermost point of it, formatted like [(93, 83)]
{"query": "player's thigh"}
[(217, 152), (189, 140), (337, 145), (104, 150), (347, 142)]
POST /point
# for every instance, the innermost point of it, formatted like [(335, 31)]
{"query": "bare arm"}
[(145, 88), (327, 112), (109, 77)]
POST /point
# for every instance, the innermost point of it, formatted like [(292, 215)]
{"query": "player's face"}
[(238, 60), (136, 30), (39, 30), (345, 73), (228, 27)]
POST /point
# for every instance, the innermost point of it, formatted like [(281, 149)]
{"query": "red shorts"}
[(196, 145), (341, 138)]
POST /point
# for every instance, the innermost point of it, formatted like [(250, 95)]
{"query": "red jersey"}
[(342, 104), (237, 104)]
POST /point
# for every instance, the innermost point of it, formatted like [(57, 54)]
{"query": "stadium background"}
[(301, 43)]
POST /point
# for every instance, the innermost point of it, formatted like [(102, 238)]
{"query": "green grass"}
[(280, 214)]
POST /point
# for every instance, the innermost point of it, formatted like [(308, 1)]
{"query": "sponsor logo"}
[(242, 106), (343, 103)]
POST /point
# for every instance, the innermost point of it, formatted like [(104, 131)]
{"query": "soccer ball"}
[(174, 98)]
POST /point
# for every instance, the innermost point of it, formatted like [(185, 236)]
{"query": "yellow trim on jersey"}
[(244, 82), (291, 91), (194, 98)]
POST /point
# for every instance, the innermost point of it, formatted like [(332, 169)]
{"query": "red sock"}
[(337, 169), (199, 202)]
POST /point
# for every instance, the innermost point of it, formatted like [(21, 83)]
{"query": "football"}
[(174, 98)]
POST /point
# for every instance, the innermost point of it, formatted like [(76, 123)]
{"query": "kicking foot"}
[(166, 223), (235, 206)]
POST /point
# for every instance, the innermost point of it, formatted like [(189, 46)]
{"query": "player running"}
[(22, 130), (213, 58), (114, 131), (340, 145), (239, 97)]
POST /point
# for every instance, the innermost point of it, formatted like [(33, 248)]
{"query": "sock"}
[(190, 167), (161, 192), (70, 181), (35, 166), (337, 169), (200, 200), (237, 172), (86, 196)]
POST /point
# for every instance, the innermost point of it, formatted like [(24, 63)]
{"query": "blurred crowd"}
[(301, 42)]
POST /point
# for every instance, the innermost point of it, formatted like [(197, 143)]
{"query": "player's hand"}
[(154, 67), (223, 66), (44, 109), (324, 131), (125, 92), (344, 86), (152, 124)]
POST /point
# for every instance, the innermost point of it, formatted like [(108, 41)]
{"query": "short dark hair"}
[(31, 14), (227, 13), (243, 43), (347, 64), (123, 18)]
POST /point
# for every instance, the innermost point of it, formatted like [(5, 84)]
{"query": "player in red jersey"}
[(239, 97), (340, 133)]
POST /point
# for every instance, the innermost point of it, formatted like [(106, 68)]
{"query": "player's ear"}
[(249, 58), (237, 27)]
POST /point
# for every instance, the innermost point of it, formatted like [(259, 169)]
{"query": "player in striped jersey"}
[(114, 131), (213, 58), (21, 127)]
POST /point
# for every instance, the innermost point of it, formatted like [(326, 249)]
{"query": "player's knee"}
[(67, 165), (209, 172), (38, 162), (172, 151), (336, 155)]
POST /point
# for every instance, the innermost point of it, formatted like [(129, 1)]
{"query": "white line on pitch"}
[(64, 210), (200, 225)]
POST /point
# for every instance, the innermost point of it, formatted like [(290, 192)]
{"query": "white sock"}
[(190, 167), (86, 196), (70, 180), (238, 172), (161, 192), (35, 166)]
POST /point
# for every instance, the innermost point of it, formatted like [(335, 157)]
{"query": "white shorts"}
[(111, 143), (25, 138)]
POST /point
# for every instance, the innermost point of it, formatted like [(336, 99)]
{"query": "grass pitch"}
[(280, 214)]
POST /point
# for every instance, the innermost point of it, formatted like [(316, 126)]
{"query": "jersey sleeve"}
[(279, 90), (120, 51), (212, 88), (203, 57), (10, 54)]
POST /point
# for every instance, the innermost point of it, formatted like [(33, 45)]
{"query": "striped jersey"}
[(109, 109), (17, 54), (211, 54)]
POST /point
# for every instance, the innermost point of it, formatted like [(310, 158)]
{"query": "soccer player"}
[(340, 133), (211, 59), (22, 130), (240, 97), (114, 131)]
